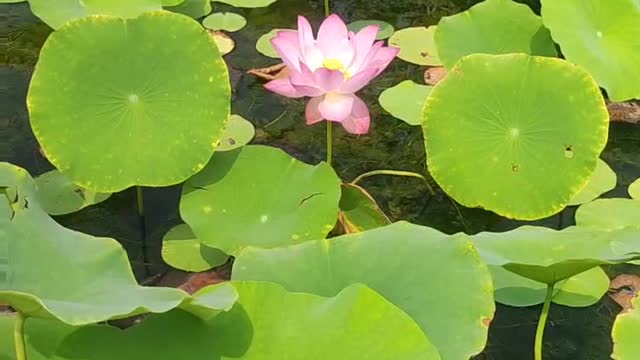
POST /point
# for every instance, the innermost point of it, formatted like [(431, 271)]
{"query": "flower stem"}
[(327, 9), (143, 228), (140, 201), (543, 322), (394, 173), (18, 336), (329, 142)]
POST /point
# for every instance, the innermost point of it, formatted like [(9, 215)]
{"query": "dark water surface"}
[(576, 334)]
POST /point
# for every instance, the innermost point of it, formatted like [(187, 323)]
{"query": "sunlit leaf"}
[(493, 27), (111, 107), (609, 214), (56, 13), (359, 210), (59, 196), (238, 133), (264, 43), (224, 21), (416, 45), (224, 43), (634, 189), (385, 30), (193, 8), (603, 180), (183, 250), (405, 101), (600, 36), (625, 333), (455, 320), (498, 125), (260, 196)]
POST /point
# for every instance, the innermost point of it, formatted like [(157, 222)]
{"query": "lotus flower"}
[(331, 69)]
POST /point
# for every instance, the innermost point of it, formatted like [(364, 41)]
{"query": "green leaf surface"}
[(602, 37), (224, 43), (108, 101), (405, 101), (634, 189), (239, 132), (247, 3), (57, 13), (193, 8), (492, 27), (609, 214), (183, 250), (603, 180), (263, 45), (224, 21), (260, 196), (385, 30), (581, 290), (549, 256), (416, 45), (359, 210), (626, 330), (58, 195), (11, 1), (453, 320), (42, 337), (86, 279), (171, 2), (498, 125)]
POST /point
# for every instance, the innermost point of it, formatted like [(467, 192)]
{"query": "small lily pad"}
[(59, 196), (224, 21), (634, 189), (247, 3), (359, 210), (183, 250), (193, 8), (497, 125), (290, 201), (238, 133), (609, 214), (384, 32), (493, 27), (405, 101), (224, 43), (416, 45), (603, 180), (625, 333), (264, 43), (57, 13)]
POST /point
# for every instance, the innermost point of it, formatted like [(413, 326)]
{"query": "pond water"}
[(390, 144)]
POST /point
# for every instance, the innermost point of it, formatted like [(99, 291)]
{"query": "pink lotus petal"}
[(312, 114), (332, 30), (305, 82), (358, 81), (283, 87), (336, 107), (328, 80), (382, 58), (362, 43), (305, 33), (358, 121), (288, 48)]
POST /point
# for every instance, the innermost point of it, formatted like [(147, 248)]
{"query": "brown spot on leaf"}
[(486, 321)]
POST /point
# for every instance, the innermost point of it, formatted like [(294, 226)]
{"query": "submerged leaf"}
[(405, 101), (183, 250), (111, 107), (498, 125), (59, 196), (603, 180), (400, 261), (416, 45)]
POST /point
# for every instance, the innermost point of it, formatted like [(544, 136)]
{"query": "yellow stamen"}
[(335, 64)]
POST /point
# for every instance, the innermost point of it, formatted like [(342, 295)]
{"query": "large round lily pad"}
[(405, 101), (498, 125), (416, 45), (267, 324), (407, 264), (260, 196), (602, 37), (625, 333), (492, 27), (59, 196), (56, 13), (609, 214), (116, 103), (85, 280)]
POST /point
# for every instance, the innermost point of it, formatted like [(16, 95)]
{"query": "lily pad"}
[(603, 180), (359, 210), (171, 2), (58, 196), (57, 13), (455, 320), (42, 337), (109, 101), (405, 101), (224, 21), (625, 333), (183, 250), (384, 32), (247, 3), (357, 323), (238, 133), (260, 196), (264, 43), (86, 279), (581, 290), (193, 8), (224, 43), (416, 45), (634, 189), (498, 125), (600, 37), (550, 256), (493, 27), (609, 214)]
